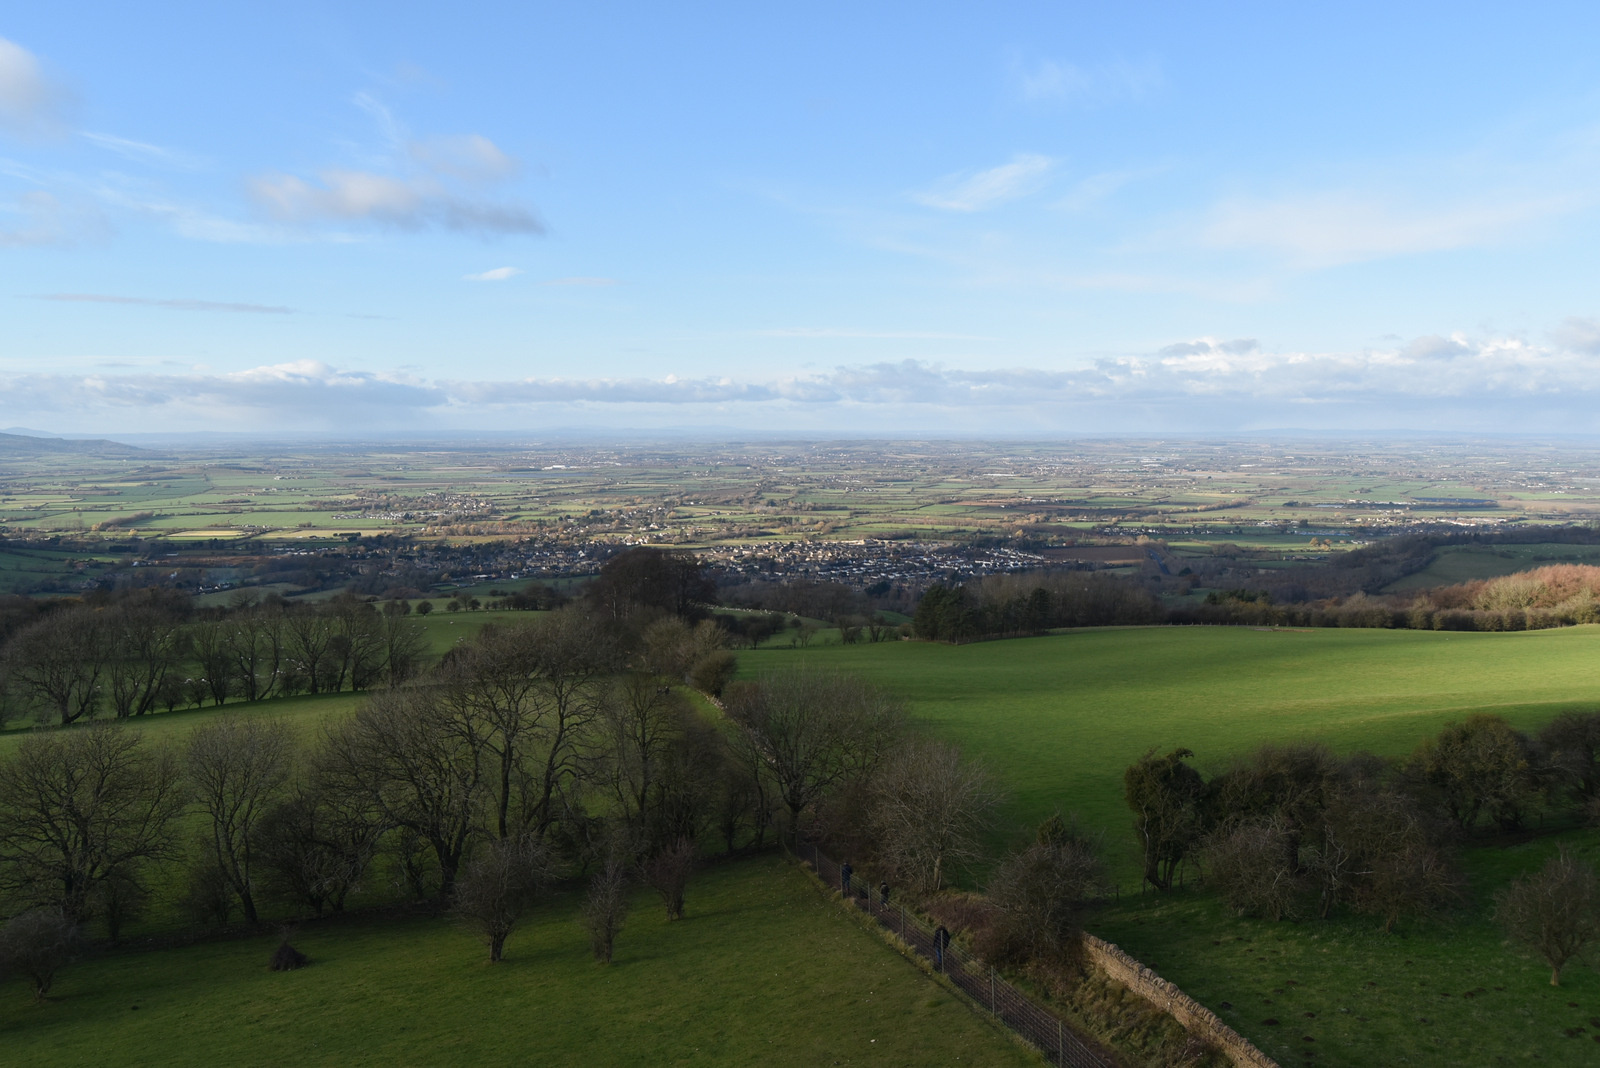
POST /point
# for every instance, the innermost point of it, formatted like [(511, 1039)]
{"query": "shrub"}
[(37, 944), (1249, 865), (668, 873), (1039, 894)]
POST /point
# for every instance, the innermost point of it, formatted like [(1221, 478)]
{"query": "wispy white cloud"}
[(198, 224), (32, 104), (390, 129), (177, 304), (975, 191), (140, 152), (1089, 191), (409, 185), (1052, 81), (1331, 228), (300, 394), (497, 274), (404, 203), (38, 218), (846, 332), (472, 157)]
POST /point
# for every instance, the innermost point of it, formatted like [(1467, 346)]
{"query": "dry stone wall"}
[(1195, 1017)]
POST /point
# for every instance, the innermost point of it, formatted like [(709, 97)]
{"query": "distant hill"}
[(24, 445)]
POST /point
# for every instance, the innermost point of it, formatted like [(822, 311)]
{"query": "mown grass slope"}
[(763, 969)]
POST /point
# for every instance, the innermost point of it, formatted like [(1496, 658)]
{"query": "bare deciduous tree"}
[(254, 640), (499, 884), (929, 811), (1555, 912), (1379, 850), (236, 767), (58, 661), (641, 717), (814, 730), (402, 644), (605, 908), (146, 648), (1479, 767), (1164, 794), (667, 872), (530, 695), (210, 644), (1571, 743), (420, 762), (310, 637), (80, 807), (317, 843)]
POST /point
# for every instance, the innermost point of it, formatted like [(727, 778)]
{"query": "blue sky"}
[(1022, 219)]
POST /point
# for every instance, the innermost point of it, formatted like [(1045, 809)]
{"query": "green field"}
[(1464, 563), (1058, 718), (763, 968), (305, 713)]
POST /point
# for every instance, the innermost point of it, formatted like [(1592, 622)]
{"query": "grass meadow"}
[(764, 968), (1058, 718)]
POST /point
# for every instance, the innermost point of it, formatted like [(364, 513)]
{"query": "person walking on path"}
[(845, 871), (883, 895), (941, 939)]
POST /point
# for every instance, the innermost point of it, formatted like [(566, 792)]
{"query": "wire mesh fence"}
[(1051, 1035)]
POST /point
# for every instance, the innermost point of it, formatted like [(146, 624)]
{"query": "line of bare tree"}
[(559, 748), (1294, 830), (143, 655)]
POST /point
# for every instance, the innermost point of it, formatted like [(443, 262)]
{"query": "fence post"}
[(991, 990), (902, 923), (1061, 1044)]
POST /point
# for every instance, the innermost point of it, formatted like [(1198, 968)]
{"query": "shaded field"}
[(1342, 992), (762, 969), (305, 714), (1058, 718), (1465, 563)]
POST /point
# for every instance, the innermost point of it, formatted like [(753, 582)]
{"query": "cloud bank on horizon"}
[(1201, 385), (1019, 221)]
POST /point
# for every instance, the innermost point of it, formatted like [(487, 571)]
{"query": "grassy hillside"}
[(762, 969), (1060, 717)]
